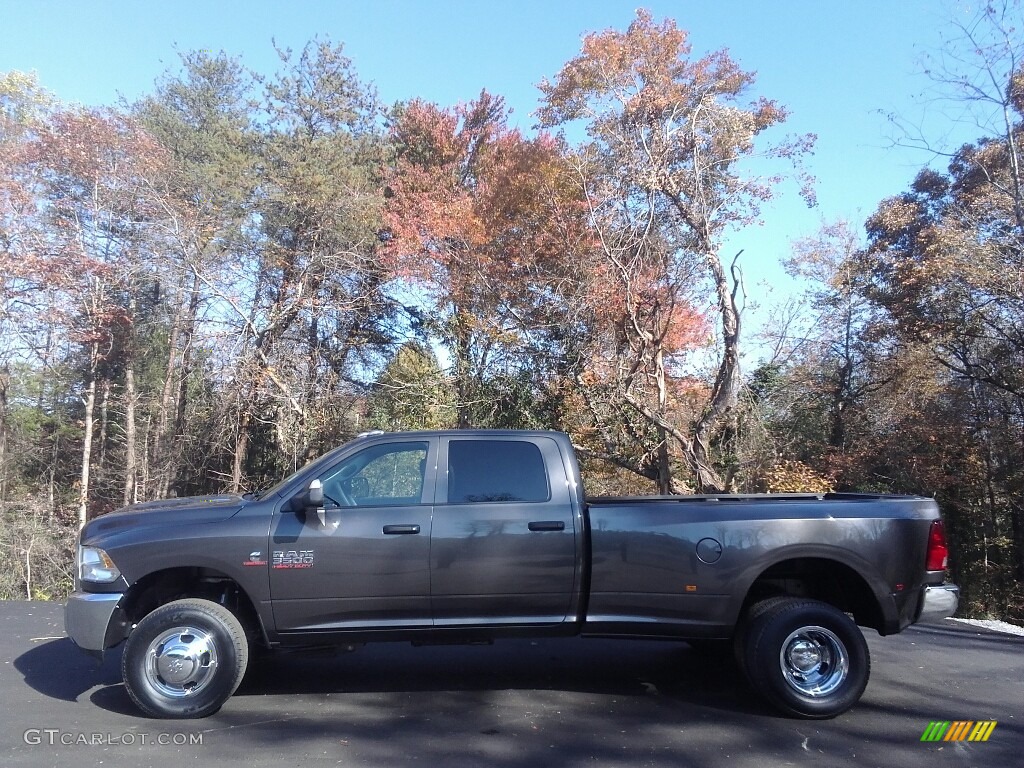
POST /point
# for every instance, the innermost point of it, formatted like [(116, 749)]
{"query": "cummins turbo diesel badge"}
[(291, 558), (255, 558)]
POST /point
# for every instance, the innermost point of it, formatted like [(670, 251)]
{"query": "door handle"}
[(547, 525), (400, 529)]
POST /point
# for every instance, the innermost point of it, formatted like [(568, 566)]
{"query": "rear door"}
[(503, 547)]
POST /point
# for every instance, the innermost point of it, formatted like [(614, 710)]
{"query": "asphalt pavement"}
[(516, 703)]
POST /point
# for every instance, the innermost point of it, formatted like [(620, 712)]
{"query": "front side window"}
[(390, 474), (495, 470)]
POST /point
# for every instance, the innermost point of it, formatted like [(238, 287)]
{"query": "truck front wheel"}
[(806, 657), (185, 659)]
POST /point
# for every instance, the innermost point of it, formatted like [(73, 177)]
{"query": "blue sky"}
[(839, 66)]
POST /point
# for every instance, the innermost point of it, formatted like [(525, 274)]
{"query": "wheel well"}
[(160, 587), (830, 581)]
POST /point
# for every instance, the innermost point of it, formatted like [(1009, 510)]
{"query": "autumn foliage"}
[(202, 290)]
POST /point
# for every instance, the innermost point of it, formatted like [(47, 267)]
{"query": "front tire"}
[(185, 659), (807, 658)]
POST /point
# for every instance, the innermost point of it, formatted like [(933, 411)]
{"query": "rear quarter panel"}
[(654, 570)]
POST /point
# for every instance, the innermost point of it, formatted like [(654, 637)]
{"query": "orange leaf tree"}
[(661, 172)]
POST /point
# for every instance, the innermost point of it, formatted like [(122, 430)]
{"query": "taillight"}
[(938, 552)]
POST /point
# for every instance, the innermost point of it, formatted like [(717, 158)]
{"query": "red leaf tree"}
[(478, 224)]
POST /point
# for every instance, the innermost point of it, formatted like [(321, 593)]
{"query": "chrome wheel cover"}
[(814, 661), (181, 661)]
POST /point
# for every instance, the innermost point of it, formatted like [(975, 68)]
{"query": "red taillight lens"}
[(938, 552)]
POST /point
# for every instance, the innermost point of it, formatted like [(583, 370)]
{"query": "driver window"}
[(390, 474)]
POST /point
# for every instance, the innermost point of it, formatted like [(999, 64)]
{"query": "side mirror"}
[(316, 493), (314, 498)]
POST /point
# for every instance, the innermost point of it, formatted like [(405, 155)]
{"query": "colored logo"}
[(959, 730)]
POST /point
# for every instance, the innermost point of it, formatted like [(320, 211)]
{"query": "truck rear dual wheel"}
[(185, 659), (805, 657)]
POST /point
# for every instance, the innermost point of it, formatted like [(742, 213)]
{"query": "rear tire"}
[(185, 659), (739, 638), (806, 657)]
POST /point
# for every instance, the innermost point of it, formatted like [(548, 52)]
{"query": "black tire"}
[(739, 638), (185, 659), (806, 658)]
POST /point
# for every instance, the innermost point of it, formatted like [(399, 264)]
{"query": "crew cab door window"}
[(386, 475), (495, 470)]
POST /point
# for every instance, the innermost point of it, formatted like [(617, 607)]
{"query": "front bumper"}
[(91, 620), (939, 602)]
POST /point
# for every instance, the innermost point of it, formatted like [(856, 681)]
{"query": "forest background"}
[(205, 287)]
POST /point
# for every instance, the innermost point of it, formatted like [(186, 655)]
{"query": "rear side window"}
[(495, 470)]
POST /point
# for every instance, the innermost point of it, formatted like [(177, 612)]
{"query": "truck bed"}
[(685, 564)]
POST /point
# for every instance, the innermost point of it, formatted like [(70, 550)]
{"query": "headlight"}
[(95, 565)]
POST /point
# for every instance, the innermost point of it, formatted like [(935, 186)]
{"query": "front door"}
[(361, 560)]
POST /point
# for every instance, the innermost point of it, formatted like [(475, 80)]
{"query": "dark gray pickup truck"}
[(474, 535)]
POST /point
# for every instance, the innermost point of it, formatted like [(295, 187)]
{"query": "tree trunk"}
[(1017, 531), (241, 449), (130, 437), (725, 393), (90, 406), (161, 459), (5, 378), (461, 363), (180, 400), (51, 478), (104, 422), (1016, 508), (144, 478), (842, 395), (664, 467)]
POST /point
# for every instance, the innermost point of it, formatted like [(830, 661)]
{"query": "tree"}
[(477, 222), (410, 393), (944, 261), (661, 172), (98, 172), (839, 355), (203, 116), (275, 224), (309, 277), (23, 105)]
